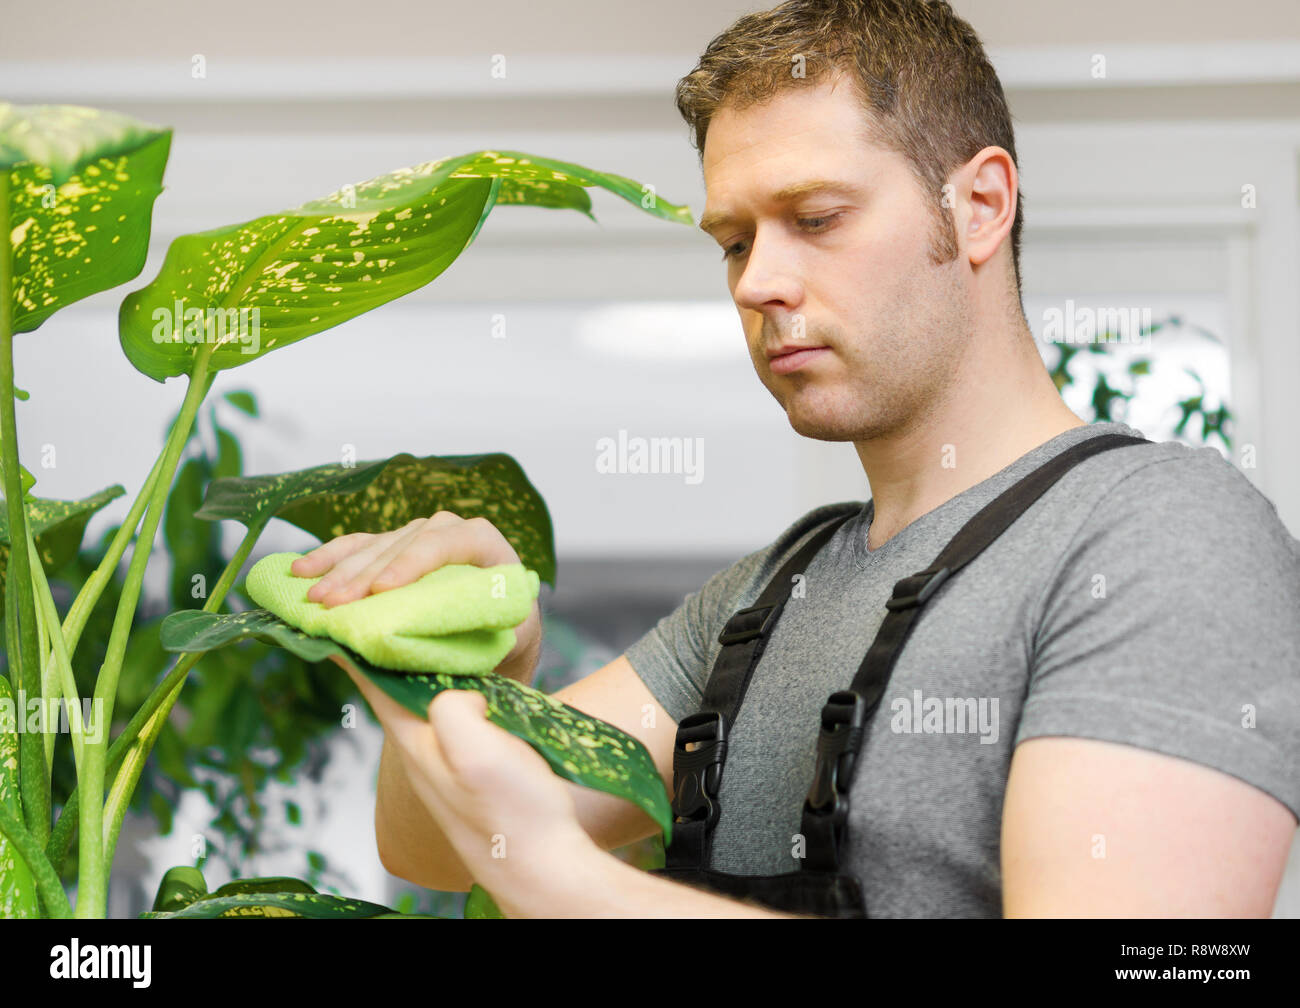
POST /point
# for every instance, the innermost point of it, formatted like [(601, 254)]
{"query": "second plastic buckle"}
[(837, 744), (697, 773)]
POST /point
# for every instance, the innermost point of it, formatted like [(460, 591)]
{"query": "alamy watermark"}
[(179, 324), (51, 714), (1104, 324), (919, 714), (682, 456)]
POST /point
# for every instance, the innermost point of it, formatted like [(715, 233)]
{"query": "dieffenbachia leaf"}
[(57, 527), (77, 188), (183, 894), (578, 747), (17, 885), (267, 283), (334, 500), (263, 884), (180, 886), (288, 904)]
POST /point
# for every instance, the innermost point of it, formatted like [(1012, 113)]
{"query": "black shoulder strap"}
[(848, 712), (697, 772)]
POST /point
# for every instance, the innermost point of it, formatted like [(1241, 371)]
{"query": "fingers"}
[(440, 542), (348, 579), (458, 734), (379, 574), (322, 558), (352, 567)]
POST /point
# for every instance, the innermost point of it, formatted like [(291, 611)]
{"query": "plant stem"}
[(34, 783), (124, 784), (92, 888), (43, 873), (46, 672), (81, 608), (164, 694), (61, 839), (73, 624), (50, 618)]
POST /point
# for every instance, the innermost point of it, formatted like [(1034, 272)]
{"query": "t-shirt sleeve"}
[(673, 657), (1173, 624)]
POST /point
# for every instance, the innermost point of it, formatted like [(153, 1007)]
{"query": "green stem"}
[(124, 784), (43, 874), (34, 783), (61, 839), (75, 622), (82, 606), (49, 614), (42, 642), (92, 887), (165, 693)]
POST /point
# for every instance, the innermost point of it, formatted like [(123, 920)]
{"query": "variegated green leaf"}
[(17, 886), (402, 916), (270, 282), (480, 905), (183, 893), (180, 886), (578, 747), (57, 526), (263, 884), (77, 188), (275, 904), (333, 500)]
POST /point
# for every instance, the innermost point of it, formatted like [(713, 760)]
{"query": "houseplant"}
[(76, 195)]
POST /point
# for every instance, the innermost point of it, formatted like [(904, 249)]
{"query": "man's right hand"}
[(365, 563)]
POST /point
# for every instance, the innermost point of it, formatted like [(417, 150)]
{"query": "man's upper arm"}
[(1094, 828), (1157, 766)]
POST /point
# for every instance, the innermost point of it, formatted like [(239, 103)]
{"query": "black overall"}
[(819, 888)]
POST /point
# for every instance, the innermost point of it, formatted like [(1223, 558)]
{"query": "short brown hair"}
[(920, 71)]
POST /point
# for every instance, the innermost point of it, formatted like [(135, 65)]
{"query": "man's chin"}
[(819, 428)]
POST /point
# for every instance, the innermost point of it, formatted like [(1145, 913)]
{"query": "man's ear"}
[(988, 185)]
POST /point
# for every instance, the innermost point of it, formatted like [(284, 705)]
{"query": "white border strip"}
[(1126, 65)]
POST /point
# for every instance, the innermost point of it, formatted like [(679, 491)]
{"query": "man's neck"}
[(917, 470)]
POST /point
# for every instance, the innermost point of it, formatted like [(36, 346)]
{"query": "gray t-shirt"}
[(1150, 597)]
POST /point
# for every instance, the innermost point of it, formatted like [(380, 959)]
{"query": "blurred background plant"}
[(1116, 382)]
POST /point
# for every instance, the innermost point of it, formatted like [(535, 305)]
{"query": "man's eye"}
[(815, 223)]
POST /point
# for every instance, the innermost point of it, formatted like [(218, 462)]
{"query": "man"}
[(1130, 643)]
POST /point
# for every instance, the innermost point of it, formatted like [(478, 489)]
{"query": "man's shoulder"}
[(1177, 493)]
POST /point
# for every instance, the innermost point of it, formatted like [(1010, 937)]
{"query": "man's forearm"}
[(403, 825), (598, 884)]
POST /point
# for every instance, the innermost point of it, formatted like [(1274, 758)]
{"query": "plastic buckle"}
[(837, 743), (914, 595), (697, 773)]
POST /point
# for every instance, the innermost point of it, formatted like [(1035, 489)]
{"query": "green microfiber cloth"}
[(456, 619)]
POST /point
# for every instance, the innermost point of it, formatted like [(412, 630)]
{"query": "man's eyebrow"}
[(787, 194)]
